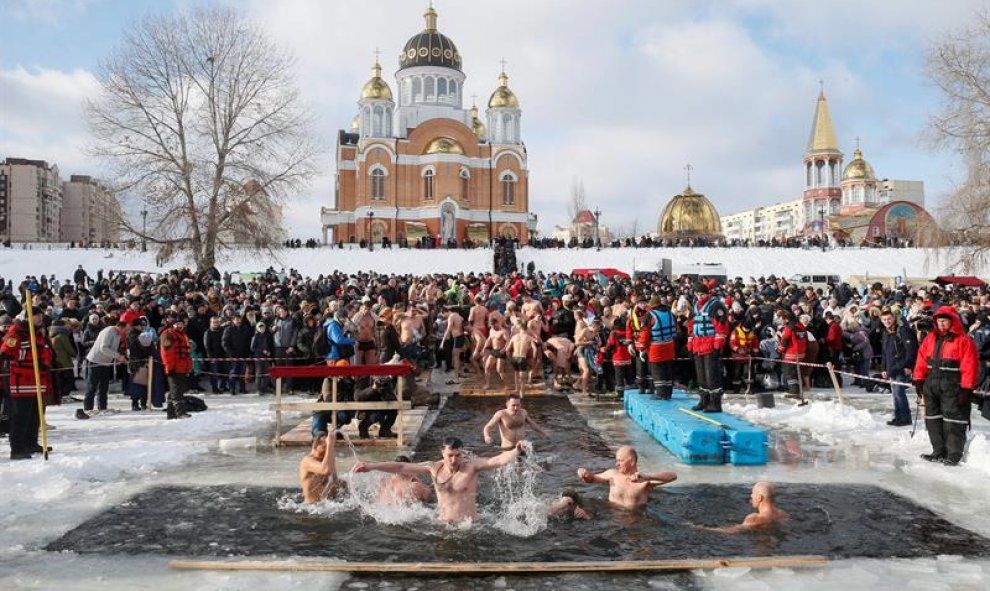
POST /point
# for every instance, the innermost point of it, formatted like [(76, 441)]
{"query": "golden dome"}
[(476, 125), (376, 88), (503, 97), (444, 145), (689, 215), (858, 169), (356, 122)]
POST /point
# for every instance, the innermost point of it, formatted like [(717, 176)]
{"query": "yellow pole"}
[(29, 301), (701, 416)]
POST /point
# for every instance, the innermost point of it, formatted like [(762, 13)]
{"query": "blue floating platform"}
[(694, 440)]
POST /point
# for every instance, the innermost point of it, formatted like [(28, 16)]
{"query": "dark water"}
[(835, 520)]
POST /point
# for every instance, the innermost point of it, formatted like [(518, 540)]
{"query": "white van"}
[(814, 280)]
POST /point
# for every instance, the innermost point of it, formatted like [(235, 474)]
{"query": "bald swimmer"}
[(767, 514), (628, 488)]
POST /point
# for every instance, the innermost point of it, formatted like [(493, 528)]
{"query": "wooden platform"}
[(301, 436), (473, 385)]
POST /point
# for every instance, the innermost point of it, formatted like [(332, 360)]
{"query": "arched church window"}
[(417, 90), (430, 89), (378, 184), (442, 87), (807, 181), (819, 173), (453, 90), (507, 127), (465, 184), (377, 128), (388, 122), (508, 189), (406, 95), (428, 185)]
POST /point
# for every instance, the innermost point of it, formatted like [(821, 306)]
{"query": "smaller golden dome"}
[(858, 169), (356, 122), (689, 215), (376, 88), (503, 97), (476, 125), (444, 145)]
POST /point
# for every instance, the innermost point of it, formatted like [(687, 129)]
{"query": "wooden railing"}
[(331, 376)]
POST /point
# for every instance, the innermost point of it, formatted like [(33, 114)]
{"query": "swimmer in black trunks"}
[(521, 348)]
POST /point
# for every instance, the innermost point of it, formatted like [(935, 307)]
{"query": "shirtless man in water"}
[(522, 348), (628, 488), (455, 479), (402, 488), (767, 514), (318, 471), (512, 422)]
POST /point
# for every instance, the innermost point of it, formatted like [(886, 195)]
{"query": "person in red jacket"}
[(177, 359), (24, 420), (617, 347), (707, 331), (833, 342), (792, 345), (945, 375), (638, 319), (656, 343)]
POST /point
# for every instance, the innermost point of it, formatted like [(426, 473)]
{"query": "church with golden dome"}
[(689, 216), (416, 165)]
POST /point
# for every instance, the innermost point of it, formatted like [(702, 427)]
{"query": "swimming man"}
[(512, 422), (318, 471), (628, 488)]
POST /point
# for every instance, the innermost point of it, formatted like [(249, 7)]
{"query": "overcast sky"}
[(621, 94)]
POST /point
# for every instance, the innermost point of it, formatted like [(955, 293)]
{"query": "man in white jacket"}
[(106, 352)]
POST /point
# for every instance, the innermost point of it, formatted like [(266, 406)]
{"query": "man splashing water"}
[(318, 471), (455, 478)]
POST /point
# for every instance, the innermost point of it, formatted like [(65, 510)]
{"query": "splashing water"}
[(519, 511)]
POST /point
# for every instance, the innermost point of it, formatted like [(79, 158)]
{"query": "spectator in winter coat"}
[(899, 351), (262, 346), (236, 342), (64, 350), (213, 349), (341, 344), (862, 351)]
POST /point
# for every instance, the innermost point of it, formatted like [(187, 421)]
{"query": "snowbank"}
[(93, 458), (744, 262)]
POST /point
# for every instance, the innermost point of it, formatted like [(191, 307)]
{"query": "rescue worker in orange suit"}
[(656, 344), (638, 319), (707, 330), (617, 348), (792, 345), (177, 359), (945, 374), (744, 344), (24, 420)]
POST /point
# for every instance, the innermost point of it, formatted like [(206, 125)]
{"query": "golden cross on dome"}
[(502, 61), (821, 86), (857, 142), (688, 168), (474, 99)]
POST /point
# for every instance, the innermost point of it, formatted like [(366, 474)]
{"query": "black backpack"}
[(321, 344)]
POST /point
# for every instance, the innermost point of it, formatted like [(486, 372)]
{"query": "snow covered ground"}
[(744, 262)]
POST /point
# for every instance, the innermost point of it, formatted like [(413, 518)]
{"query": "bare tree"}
[(200, 122), (959, 66), (578, 201)]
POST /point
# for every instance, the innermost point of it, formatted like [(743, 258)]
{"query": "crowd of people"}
[(584, 334)]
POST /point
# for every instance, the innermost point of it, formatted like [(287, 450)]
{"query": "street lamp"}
[(598, 238), (144, 230), (821, 217), (371, 239)]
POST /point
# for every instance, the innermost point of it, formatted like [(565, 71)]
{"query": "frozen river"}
[(106, 461)]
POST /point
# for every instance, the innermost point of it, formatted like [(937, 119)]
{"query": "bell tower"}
[(822, 168)]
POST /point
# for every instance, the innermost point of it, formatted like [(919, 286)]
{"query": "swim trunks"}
[(460, 341), (366, 346), (520, 363)]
